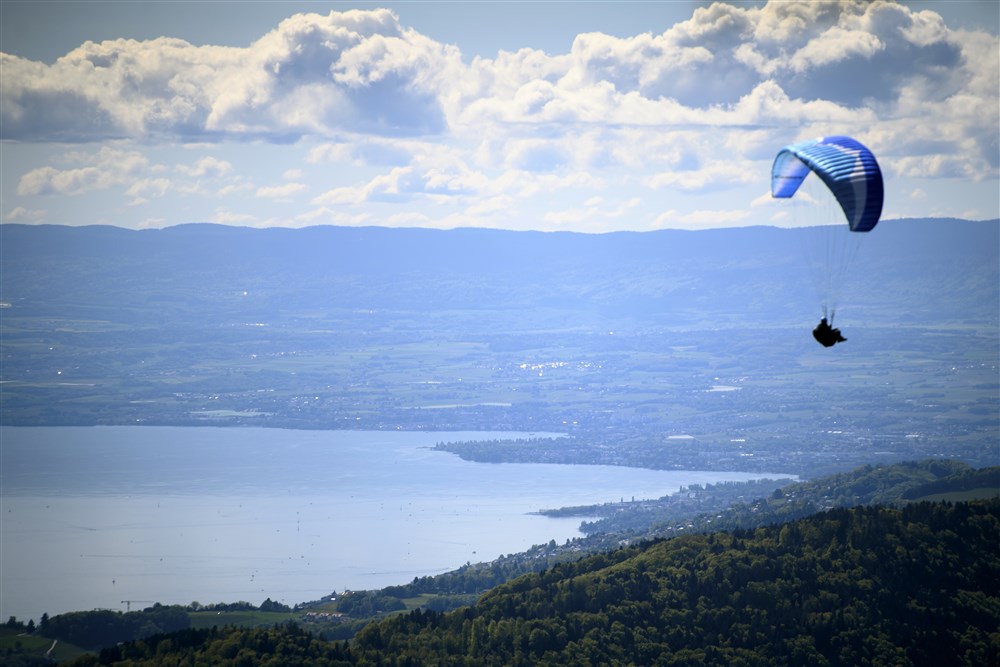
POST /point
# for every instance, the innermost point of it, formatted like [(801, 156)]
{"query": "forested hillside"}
[(702, 509), (865, 586), (710, 508)]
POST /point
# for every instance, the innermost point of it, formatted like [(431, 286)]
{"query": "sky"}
[(555, 116)]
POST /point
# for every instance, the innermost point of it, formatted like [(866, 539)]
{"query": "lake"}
[(94, 516)]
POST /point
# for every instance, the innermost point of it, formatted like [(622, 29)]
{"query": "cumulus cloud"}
[(536, 155), (284, 191), (365, 150), (22, 214), (356, 70), (936, 166), (207, 166), (141, 190), (362, 71), (407, 183), (130, 172), (714, 176), (703, 219), (693, 110), (593, 209), (108, 167), (224, 216)]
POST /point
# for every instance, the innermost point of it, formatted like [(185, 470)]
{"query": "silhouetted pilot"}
[(826, 335)]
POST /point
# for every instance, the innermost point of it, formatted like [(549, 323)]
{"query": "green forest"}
[(915, 585), (261, 636)]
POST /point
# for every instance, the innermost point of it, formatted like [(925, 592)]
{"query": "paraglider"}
[(826, 335), (850, 173)]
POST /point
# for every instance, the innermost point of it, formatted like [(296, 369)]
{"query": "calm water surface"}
[(93, 516)]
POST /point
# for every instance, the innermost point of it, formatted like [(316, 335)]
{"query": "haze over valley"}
[(670, 350)]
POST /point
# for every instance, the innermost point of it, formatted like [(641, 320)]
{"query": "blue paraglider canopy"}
[(847, 168)]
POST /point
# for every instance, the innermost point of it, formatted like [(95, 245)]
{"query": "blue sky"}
[(583, 116)]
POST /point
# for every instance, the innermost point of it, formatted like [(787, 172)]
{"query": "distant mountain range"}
[(621, 340), (907, 271)]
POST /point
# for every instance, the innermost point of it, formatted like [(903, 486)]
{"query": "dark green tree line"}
[(98, 628), (867, 586)]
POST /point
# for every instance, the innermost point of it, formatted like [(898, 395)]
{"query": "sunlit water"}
[(94, 516)]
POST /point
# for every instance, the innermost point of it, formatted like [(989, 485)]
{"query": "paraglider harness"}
[(825, 334)]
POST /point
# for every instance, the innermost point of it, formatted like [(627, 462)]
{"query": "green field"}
[(14, 642), (961, 496)]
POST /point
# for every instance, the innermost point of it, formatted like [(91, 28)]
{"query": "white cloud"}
[(152, 223), (379, 114), (428, 178), (834, 46), (594, 208), (410, 219), (140, 191), (280, 191), (108, 167), (313, 74), (536, 155), (938, 166), (342, 195), (364, 71), (713, 176), (365, 150), (224, 216), (703, 219), (328, 216), (207, 166), (236, 188), (490, 206), (21, 214), (397, 185)]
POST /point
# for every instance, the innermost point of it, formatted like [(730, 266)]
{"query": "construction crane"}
[(128, 603)]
